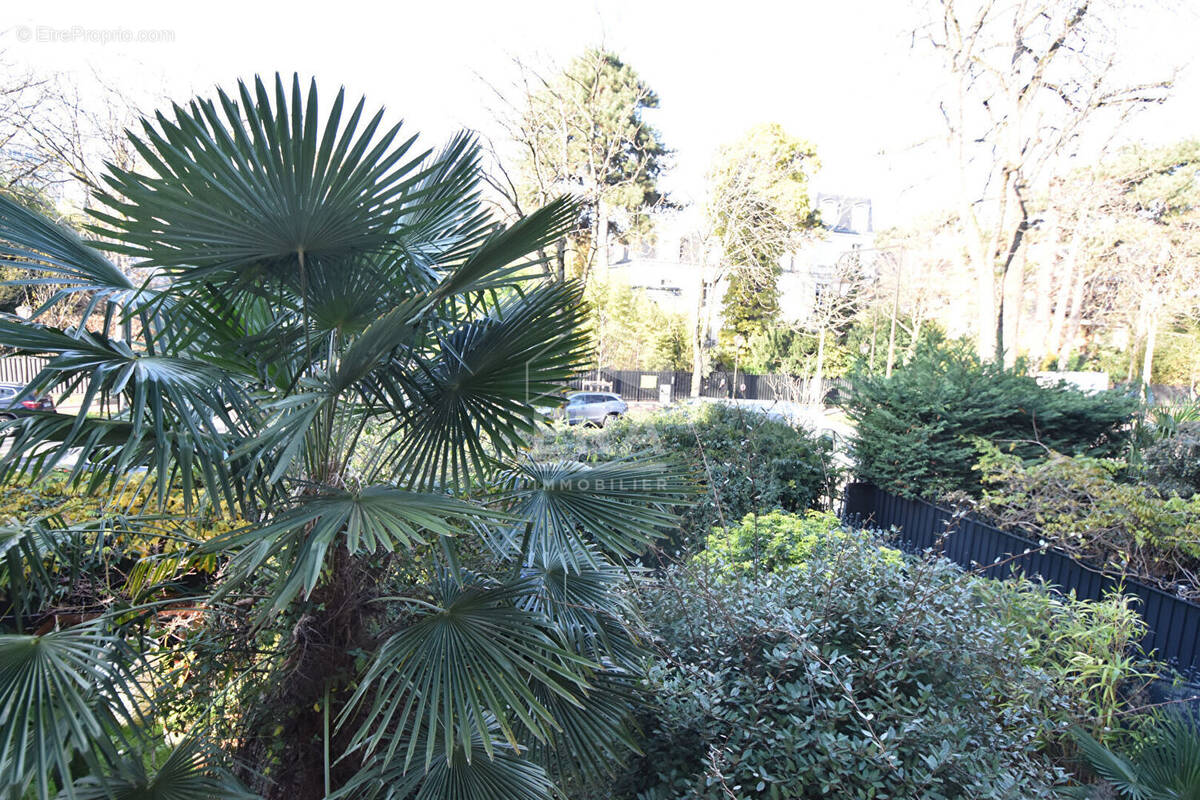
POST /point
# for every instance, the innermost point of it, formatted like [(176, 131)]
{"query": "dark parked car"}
[(10, 407), (593, 408)]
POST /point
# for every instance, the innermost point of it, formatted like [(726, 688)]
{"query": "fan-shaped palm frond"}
[(587, 604), (464, 662), (372, 519), (1164, 766), (58, 255), (475, 397), (261, 183), (595, 733), (192, 770), (62, 695), (619, 506), (25, 552), (492, 770), (175, 402)]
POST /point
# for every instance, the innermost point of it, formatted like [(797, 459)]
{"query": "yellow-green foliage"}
[(1078, 504), (54, 496), (774, 541), (1088, 651), (159, 543)]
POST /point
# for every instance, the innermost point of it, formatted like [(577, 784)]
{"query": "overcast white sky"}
[(840, 73)]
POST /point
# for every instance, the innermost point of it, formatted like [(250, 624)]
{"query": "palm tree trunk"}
[(289, 732)]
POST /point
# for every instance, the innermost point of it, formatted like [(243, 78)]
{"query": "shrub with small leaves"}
[(850, 675), (1173, 464), (745, 460), (777, 540)]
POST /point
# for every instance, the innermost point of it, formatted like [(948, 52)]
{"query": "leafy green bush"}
[(1173, 464), (745, 460), (849, 676), (914, 430), (777, 540), (1087, 651), (1078, 505)]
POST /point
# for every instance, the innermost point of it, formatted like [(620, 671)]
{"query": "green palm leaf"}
[(1165, 766), (1111, 767), (466, 661), (262, 183), (26, 551), (32, 242), (620, 506), (1170, 758), (373, 519), (192, 770), (475, 399), (61, 694), (492, 770), (586, 603), (593, 735)]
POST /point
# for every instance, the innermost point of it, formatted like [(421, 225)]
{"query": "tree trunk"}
[(1151, 341), (602, 235), (1043, 285), (916, 337), (818, 388), (891, 354), (289, 733), (560, 259), (1062, 301), (985, 315), (1014, 299), (699, 335), (1074, 319)]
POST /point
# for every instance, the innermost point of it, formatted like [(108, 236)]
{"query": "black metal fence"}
[(641, 385), (1173, 623)]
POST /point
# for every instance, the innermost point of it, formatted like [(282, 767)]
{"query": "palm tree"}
[(328, 337), (1164, 766)]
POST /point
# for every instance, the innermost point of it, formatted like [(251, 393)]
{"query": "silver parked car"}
[(593, 408)]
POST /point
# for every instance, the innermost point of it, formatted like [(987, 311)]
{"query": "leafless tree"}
[(1030, 83), (737, 228), (840, 293), (25, 169), (83, 128)]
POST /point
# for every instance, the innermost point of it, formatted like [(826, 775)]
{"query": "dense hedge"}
[(776, 540), (862, 673), (745, 460), (915, 431), (852, 676)]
